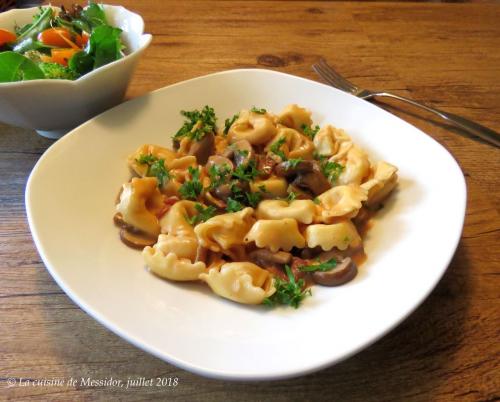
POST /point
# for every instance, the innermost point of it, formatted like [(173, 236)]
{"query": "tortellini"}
[(302, 211), (383, 182), (156, 151), (182, 246), (241, 207), (222, 232), (340, 235), (274, 187), (140, 201), (174, 221), (330, 141), (295, 145), (341, 201), (356, 166), (296, 117), (256, 128), (281, 234), (170, 266), (242, 282)]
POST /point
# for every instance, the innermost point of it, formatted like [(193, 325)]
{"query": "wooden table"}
[(445, 54)]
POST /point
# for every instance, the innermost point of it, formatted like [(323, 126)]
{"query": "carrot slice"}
[(81, 40), (6, 37), (62, 56), (59, 37)]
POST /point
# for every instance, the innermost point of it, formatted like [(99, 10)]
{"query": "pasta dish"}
[(260, 208)]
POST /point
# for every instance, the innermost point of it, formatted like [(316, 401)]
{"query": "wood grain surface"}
[(447, 55)]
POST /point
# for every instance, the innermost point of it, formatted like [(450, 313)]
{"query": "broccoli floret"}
[(34, 55), (57, 71)]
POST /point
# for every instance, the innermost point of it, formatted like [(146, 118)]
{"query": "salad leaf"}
[(94, 15), (104, 46), (40, 22), (16, 67)]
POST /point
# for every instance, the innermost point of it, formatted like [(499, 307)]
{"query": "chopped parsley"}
[(242, 152), (331, 170), (291, 197), (293, 163), (156, 168), (322, 267), (218, 174), (256, 110), (233, 205), (246, 171), (310, 131), (197, 124), (254, 198), (229, 122), (203, 214), (316, 200), (276, 148), (289, 292), (191, 189)]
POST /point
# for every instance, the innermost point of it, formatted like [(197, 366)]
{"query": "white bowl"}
[(53, 107)]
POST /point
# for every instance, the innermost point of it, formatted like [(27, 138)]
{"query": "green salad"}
[(63, 44)]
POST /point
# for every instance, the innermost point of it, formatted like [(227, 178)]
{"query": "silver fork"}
[(325, 71)]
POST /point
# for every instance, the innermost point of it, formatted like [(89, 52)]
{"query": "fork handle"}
[(476, 129)]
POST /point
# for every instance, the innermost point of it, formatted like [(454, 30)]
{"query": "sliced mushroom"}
[(222, 192), (265, 257), (315, 181), (286, 169), (203, 148), (245, 154), (265, 166), (136, 239), (344, 272), (219, 160)]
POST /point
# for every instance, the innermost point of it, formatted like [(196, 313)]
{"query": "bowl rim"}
[(146, 40)]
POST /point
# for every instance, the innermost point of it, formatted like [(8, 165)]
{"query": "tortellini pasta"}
[(302, 211), (341, 201), (174, 221), (140, 201), (222, 232), (243, 282), (281, 234), (169, 266), (256, 128), (340, 235), (330, 141), (247, 207), (296, 117), (383, 182), (156, 151), (295, 144)]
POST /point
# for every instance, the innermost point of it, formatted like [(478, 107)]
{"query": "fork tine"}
[(344, 82), (329, 78)]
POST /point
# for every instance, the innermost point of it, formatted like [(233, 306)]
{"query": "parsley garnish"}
[(229, 122), (256, 110), (218, 174), (191, 189), (324, 266), (276, 148), (246, 171), (310, 131), (331, 170), (316, 200), (289, 293), (233, 205), (254, 198), (242, 152), (203, 214), (156, 168), (293, 163), (197, 123), (291, 197)]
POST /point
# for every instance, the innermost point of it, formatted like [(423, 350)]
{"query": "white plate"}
[(70, 204)]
